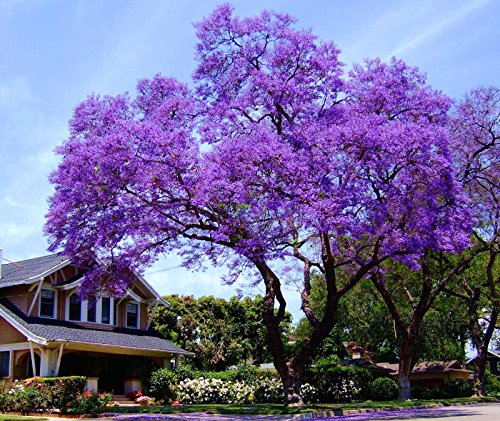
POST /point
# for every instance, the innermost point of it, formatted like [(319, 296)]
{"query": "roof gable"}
[(31, 270)]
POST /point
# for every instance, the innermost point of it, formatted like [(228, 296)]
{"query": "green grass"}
[(276, 409), (6, 417)]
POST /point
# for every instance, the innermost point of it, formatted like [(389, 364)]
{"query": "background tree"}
[(409, 296), (220, 332), (366, 321), (300, 169), (476, 141)]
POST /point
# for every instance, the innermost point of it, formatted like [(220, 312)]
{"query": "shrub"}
[(89, 403), (340, 384), (268, 388), (202, 390), (245, 373), (163, 385), (453, 389), (40, 394), (383, 389), (492, 384)]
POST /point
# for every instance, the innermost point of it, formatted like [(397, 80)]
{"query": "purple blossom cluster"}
[(294, 149)]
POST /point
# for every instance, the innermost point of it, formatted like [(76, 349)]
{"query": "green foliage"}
[(340, 384), (365, 320), (221, 333), (246, 373), (383, 389), (89, 403), (452, 389), (41, 394), (492, 384), (163, 385)]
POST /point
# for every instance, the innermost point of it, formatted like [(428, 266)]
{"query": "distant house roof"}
[(364, 362), (42, 330), (31, 270), (428, 367), (494, 353)]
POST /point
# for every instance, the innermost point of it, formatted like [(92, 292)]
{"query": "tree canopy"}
[(275, 162)]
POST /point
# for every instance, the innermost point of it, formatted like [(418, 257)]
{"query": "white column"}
[(46, 363), (177, 361)]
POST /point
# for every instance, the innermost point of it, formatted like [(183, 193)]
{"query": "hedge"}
[(45, 394)]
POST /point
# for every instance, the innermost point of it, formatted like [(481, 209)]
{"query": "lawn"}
[(276, 409), (6, 417)]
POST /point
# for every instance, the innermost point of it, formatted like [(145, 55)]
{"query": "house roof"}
[(43, 331), (27, 271), (365, 362), (494, 353), (32, 270), (428, 367)]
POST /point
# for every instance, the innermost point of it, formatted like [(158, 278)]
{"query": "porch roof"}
[(44, 331)]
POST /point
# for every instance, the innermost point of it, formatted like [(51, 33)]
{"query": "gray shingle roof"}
[(20, 272), (57, 330)]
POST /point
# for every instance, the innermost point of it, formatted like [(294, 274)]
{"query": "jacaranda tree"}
[(475, 126), (275, 165)]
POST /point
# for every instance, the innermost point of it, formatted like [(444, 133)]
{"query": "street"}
[(480, 412)]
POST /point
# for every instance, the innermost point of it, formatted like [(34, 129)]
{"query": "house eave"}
[(30, 336)]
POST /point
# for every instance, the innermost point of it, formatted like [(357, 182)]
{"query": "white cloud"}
[(438, 28), (16, 90), (16, 233), (10, 202)]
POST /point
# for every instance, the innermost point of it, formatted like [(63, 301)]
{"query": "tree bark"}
[(405, 369), (292, 388), (480, 380)]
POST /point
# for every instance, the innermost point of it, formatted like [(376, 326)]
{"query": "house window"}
[(132, 314), (115, 312), (75, 307), (106, 310), (47, 303), (5, 364), (91, 313)]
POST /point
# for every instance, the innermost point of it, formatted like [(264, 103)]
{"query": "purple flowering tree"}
[(476, 139), (275, 165)]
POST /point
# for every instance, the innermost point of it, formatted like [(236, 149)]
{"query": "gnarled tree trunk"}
[(405, 369)]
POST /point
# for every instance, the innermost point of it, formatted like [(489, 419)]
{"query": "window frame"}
[(54, 306), (110, 307), (9, 365), (84, 310), (138, 315), (80, 319)]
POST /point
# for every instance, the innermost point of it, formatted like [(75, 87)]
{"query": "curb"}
[(345, 412)]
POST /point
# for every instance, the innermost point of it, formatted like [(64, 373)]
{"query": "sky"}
[(53, 53)]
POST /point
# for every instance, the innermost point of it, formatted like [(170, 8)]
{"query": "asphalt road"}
[(480, 412)]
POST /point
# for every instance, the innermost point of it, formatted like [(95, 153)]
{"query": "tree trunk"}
[(291, 388), (479, 383), (405, 369)]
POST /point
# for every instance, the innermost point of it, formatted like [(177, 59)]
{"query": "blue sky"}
[(53, 53)]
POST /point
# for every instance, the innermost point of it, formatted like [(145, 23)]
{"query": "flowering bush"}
[(40, 394), (204, 390), (251, 385), (134, 394), (89, 403), (143, 400), (340, 384)]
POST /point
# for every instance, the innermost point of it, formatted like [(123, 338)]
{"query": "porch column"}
[(46, 363), (177, 361), (167, 363)]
